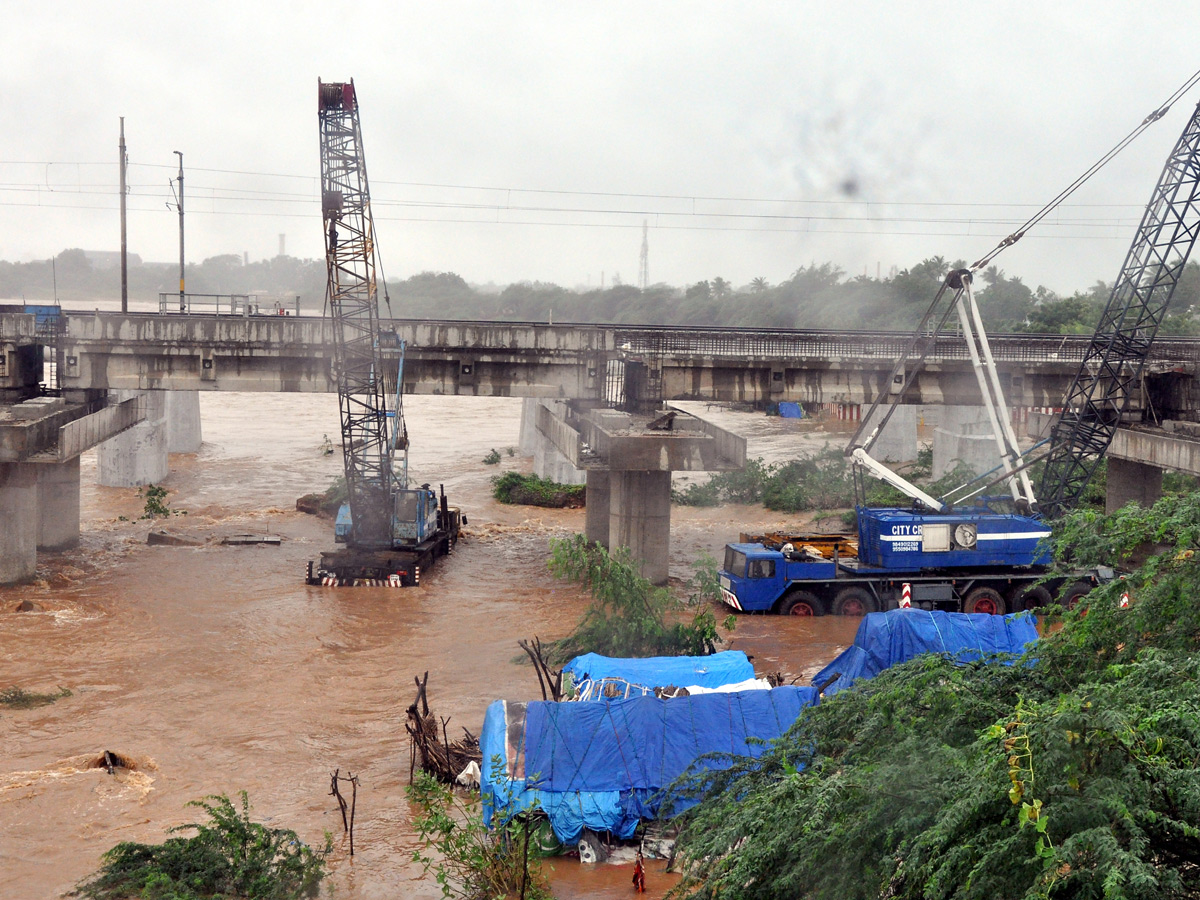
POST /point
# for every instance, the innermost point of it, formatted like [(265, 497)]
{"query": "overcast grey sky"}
[(530, 140)]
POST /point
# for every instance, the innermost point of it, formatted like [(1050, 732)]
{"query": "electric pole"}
[(644, 264), (124, 261), (182, 299)]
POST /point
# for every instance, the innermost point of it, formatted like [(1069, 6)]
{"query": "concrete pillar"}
[(527, 442), (898, 440), (58, 505), (19, 532), (548, 462), (640, 519), (965, 435), (183, 421), (597, 509), (1132, 481), (137, 456)]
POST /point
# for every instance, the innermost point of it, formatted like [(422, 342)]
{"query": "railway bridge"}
[(72, 379)]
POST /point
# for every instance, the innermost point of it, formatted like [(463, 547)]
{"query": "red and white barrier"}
[(906, 596)]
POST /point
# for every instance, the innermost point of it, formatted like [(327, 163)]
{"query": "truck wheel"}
[(801, 603), (984, 600), (1032, 598), (1073, 593), (854, 601), (591, 850)]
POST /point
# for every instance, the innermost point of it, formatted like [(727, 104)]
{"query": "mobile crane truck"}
[(981, 558), (392, 532)]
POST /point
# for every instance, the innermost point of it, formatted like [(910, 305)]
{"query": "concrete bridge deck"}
[(106, 351)]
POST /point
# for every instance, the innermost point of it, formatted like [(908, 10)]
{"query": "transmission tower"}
[(644, 263)]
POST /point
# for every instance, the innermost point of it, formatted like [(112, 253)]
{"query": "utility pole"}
[(124, 261), (644, 263), (182, 299)]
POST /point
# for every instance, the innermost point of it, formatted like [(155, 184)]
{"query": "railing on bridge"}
[(228, 304), (884, 345)]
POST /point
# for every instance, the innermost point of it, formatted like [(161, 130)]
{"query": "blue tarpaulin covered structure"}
[(726, 667), (602, 765), (790, 410), (887, 638)]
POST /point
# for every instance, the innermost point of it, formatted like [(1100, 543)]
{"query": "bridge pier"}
[(548, 461), (598, 512), (964, 435), (18, 536), (897, 442), (58, 505), (639, 517), (628, 460), (184, 433), (138, 456), (1132, 482)]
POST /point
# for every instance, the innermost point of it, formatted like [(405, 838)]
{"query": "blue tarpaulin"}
[(790, 410), (726, 667), (601, 765), (887, 638)]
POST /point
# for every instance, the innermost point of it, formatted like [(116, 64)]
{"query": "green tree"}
[(1071, 774)]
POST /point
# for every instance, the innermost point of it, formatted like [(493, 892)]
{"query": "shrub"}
[(629, 616), (530, 490), (229, 856), (472, 863)]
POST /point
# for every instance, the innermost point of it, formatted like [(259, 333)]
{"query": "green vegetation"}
[(818, 481), (328, 502), (18, 698), (814, 296), (156, 503), (1070, 775), (472, 862), (629, 616), (492, 458), (229, 856), (530, 490)]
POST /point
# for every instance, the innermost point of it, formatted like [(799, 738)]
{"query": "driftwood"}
[(431, 747), (334, 791), (550, 680)]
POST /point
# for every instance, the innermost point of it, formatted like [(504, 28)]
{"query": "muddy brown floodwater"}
[(215, 669)]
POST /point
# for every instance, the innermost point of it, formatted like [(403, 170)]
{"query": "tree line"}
[(817, 296)]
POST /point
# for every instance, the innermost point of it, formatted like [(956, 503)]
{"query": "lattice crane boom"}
[(350, 256), (1112, 367)]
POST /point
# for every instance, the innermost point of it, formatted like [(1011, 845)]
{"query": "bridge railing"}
[(748, 344), (227, 304)]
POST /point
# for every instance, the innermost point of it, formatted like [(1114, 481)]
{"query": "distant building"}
[(101, 260)]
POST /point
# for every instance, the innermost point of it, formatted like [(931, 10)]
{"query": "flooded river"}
[(215, 669)]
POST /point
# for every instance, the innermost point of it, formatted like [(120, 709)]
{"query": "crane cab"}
[(414, 516)]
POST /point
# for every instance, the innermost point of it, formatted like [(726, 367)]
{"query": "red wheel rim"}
[(986, 605), (853, 607), (801, 609)]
